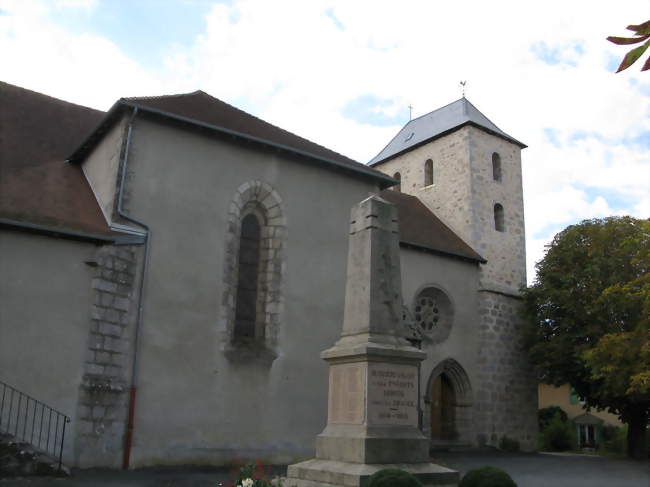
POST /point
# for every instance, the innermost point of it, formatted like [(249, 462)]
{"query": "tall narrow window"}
[(428, 172), (398, 186), (496, 166), (498, 218), (252, 299), (247, 281)]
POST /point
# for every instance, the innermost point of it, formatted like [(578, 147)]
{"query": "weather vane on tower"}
[(463, 85)]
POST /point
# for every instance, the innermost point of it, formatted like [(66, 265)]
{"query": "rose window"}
[(427, 313), (433, 315)]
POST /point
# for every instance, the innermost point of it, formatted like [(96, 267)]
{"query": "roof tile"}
[(37, 132)]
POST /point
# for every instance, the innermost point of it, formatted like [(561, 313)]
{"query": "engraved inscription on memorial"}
[(347, 393), (392, 394)]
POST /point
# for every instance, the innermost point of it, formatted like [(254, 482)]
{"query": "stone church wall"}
[(104, 388), (507, 390), (449, 196), (463, 195), (456, 353), (505, 251)]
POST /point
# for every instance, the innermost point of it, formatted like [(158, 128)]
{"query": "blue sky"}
[(145, 30), (345, 73)]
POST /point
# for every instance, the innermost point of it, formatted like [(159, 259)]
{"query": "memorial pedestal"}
[(372, 421)]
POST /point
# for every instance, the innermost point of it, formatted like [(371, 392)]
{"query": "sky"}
[(343, 74)]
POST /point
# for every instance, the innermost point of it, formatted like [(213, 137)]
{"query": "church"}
[(172, 269)]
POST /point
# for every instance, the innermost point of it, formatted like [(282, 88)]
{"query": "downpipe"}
[(130, 426)]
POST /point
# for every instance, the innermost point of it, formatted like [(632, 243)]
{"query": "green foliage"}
[(509, 444), (393, 477), (614, 440), (641, 33), (589, 317), (622, 355), (559, 435), (545, 415), (487, 477)]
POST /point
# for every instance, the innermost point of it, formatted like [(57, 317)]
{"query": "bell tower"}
[(468, 172)]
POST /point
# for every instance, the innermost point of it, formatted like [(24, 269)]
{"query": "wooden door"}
[(443, 404)]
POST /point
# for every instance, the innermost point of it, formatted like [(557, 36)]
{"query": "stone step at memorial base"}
[(18, 459), (450, 445), (329, 473)]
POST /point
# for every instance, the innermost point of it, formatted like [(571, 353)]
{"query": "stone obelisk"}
[(372, 420)]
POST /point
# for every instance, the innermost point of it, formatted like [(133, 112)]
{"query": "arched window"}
[(252, 300), (498, 218), (247, 327), (398, 186), (428, 172), (496, 166)]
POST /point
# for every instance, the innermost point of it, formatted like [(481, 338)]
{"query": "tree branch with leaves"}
[(641, 34)]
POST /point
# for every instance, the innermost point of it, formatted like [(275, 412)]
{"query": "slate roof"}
[(202, 111), (436, 124), (422, 229), (37, 133)]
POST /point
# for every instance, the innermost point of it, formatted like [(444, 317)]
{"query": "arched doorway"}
[(449, 398)]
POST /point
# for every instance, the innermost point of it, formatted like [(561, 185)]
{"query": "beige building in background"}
[(570, 403), (588, 423)]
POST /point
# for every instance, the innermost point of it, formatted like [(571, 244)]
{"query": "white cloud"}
[(80, 4), (292, 65), (81, 68)]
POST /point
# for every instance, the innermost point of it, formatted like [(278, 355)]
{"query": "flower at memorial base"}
[(254, 475)]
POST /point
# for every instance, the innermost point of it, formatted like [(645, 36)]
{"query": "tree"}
[(588, 315), (642, 33)]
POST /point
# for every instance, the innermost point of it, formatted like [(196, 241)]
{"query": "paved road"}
[(555, 470), (528, 470)]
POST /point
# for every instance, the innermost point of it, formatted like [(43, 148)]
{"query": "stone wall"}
[(103, 393), (505, 251), (463, 195), (506, 392), (449, 195), (272, 267)]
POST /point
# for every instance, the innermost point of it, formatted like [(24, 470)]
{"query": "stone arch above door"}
[(450, 378)]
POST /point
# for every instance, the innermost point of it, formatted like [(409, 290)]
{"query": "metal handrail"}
[(32, 421)]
